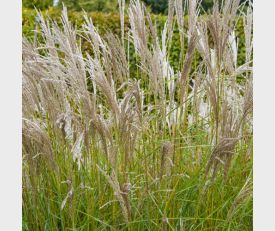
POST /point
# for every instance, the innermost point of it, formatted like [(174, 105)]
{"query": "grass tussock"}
[(111, 146)]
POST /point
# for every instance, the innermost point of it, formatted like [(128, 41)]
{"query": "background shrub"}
[(111, 22)]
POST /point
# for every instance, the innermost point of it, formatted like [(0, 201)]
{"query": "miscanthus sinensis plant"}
[(109, 146)]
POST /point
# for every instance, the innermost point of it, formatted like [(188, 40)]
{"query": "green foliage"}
[(98, 5), (76, 5), (186, 204), (39, 4), (111, 22), (161, 6), (158, 6), (104, 22), (95, 5), (70, 4)]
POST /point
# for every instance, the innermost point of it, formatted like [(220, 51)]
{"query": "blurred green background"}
[(156, 6)]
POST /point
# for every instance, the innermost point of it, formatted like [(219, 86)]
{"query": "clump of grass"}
[(106, 147)]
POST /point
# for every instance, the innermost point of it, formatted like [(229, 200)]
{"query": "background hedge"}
[(111, 22)]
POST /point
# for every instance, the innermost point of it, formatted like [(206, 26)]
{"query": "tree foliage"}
[(161, 6)]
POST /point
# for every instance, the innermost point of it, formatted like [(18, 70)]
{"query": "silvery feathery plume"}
[(221, 155), (180, 19), (248, 27), (64, 122), (121, 4), (35, 135), (76, 150), (171, 10)]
